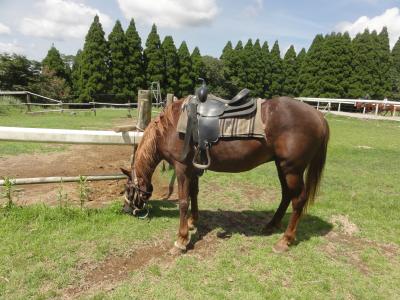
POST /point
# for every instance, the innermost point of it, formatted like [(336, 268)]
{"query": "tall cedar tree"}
[(135, 68), (198, 70), (395, 71), (265, 56), (259, 72), (95, 63), (237, 69), (154, 59), (299, 61), (53, 62), (361, 81), (185, 71), (310, 71), (119, 55), (384, 61), (76, 73), (290, 72), (227, 59), (171, 67), (335, 66), (276, 70)]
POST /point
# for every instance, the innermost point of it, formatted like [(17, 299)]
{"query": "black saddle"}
[(204, 112)]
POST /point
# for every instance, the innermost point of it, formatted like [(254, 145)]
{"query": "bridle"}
[(138, 191)]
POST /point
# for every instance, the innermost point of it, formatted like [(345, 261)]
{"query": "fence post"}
[(144, 109), (170, 99), (28, 101), (394, 111), (376, 108), (339, 106)]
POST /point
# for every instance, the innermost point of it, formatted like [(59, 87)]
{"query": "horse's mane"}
[(147, 156)]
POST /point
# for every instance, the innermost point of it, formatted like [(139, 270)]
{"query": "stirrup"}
[(200, 166)]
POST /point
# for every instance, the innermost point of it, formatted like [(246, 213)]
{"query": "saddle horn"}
[(202, 92)]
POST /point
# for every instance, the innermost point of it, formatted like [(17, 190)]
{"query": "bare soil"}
[(77, 160)]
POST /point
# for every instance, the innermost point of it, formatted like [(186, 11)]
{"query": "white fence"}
[(326, 103), (67, 136)]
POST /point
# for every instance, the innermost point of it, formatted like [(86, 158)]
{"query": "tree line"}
[(335, 66)]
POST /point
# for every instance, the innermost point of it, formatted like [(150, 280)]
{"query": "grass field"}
[(348, 243)]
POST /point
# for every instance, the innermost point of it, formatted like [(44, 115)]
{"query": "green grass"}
[(43, 249)]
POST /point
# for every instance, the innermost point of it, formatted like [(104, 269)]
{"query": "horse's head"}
[(137, 193)]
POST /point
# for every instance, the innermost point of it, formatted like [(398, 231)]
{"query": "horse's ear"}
[(127, 173)]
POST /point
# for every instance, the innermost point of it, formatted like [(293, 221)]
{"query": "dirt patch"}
[(343, 245), (77, 160), (344, 224)]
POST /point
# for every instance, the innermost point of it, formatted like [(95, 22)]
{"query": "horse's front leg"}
[(184, 177), (194, 209)]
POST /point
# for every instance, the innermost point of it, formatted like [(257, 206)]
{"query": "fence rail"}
[(68, 136), (379, 104)]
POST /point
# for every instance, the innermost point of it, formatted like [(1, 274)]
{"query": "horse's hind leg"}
[(297, 194), (275, 223)]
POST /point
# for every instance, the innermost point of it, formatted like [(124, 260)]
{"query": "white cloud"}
[(61, 19), (390, 18), (4, 29), (254, 9), (170, 13), (11, 48)]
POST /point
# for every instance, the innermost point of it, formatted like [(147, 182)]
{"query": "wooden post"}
[(170, 99), (28, 101), (339, 106), (376, 109), (144, 109), (364, 110), (394, 111), (318, 105), (129, 109), (329, 106)]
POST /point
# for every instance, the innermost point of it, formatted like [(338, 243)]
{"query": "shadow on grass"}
[(248, 223)]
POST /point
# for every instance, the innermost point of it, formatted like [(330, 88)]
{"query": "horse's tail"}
[(316, 168)]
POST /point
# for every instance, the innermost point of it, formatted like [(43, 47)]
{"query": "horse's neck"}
[(146, 160)]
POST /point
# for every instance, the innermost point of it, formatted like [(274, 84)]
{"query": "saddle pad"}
[(247, 126)]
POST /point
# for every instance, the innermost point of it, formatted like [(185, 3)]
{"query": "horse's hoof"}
[(281, 246), (177, 249)]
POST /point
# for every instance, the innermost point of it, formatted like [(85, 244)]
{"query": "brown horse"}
[(296, 140)]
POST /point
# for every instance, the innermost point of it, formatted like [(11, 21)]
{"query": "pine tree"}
[(276, 70), (154, 58), (248, 57), (119, 54), (185, 71), (76, 73), (227, 59), (299, 61), (395, 71), (198, 70), (266, 70), (361, 80), (310, 69), (384, 63), (53, 62), (95, 63), (135, 68), (335, 66), (258, 87), (238, 68), (171, 67), (290, 71)]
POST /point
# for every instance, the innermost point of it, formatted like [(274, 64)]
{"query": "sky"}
[(30, 27)]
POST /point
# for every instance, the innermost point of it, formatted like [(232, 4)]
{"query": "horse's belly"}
[(239, 155)]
